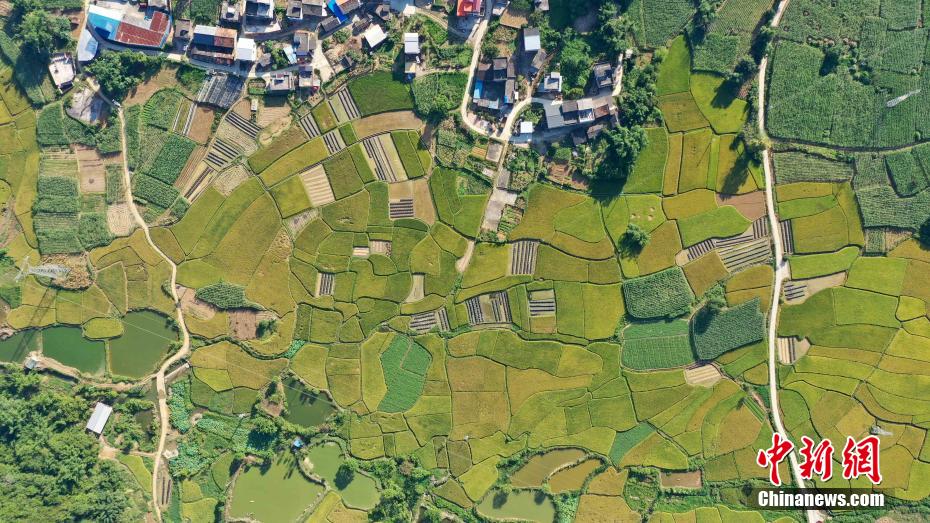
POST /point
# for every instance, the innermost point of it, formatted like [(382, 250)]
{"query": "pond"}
[(305, 407), (145, 341), (15, 348), (540, 466), (277, 493), (360, 493), (523, 505), (69, 346)]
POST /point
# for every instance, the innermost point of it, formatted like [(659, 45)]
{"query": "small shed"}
[(531, 40), (411, 43), (526, 127), (99, 418)]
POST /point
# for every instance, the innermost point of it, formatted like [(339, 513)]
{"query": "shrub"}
[(93, 230), (436, 94)]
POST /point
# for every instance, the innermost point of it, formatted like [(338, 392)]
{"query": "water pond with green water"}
[(69, 346), (15, 348), (360, 493), (276, 493), (305, 407), (145, 341), (522, 505)]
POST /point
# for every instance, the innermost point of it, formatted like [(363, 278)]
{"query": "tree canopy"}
[(118, 72)]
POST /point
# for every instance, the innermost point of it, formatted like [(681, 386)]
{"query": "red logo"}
[(860, 458), (817, 460), (774, 455)]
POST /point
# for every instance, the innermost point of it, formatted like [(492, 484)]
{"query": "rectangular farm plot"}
[(657, 345), (695, 160), (317, 185), (290, 196), (681, 112)]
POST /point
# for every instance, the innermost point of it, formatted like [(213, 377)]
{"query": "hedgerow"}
[(663, 294), (715, 333)]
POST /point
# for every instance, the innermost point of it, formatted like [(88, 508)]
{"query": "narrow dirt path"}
[(782, 271), (160, 381)]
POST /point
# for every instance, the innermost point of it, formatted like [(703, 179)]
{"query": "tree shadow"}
[(737, 175)]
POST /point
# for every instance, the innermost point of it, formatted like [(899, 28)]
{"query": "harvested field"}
[(703, 376), (119, 219), (141, 94), (273, 111), (317, 185), (202, 125), (681, 479), (193, 305), (751, 205), (814, 285), (228, 180), (384, 122), (423, 207), (91, 170), (243, 323)]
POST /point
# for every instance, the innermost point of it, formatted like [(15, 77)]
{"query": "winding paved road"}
[(782, 271)]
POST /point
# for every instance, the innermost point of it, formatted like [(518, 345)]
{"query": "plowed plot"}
[(91, 170), (119, 219), (201, 127)]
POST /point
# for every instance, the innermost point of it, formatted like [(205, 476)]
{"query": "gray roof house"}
[(98, 419)]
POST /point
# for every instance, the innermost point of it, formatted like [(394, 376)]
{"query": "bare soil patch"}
[(202, 125), (751, 205), (193, 305), (681, 479), (243, 323), (119, 219), (514, 18), (141, 94), (423, 201), (91, 169), (274, 111)]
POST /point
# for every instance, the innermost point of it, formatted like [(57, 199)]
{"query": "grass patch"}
[(290, 196), (674, 72), (379, 92), (407, 143), (649, 171), (324, 117)]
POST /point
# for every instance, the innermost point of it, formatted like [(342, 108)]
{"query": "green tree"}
[(118, 72), (635, 237), (43, 33), (923, 234), (576, 61), (619, 148)]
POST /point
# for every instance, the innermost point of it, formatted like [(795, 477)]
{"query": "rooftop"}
[(411, 43), (468, 7), (531, 40), (99, 418), (62, 70), (374, 36)]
